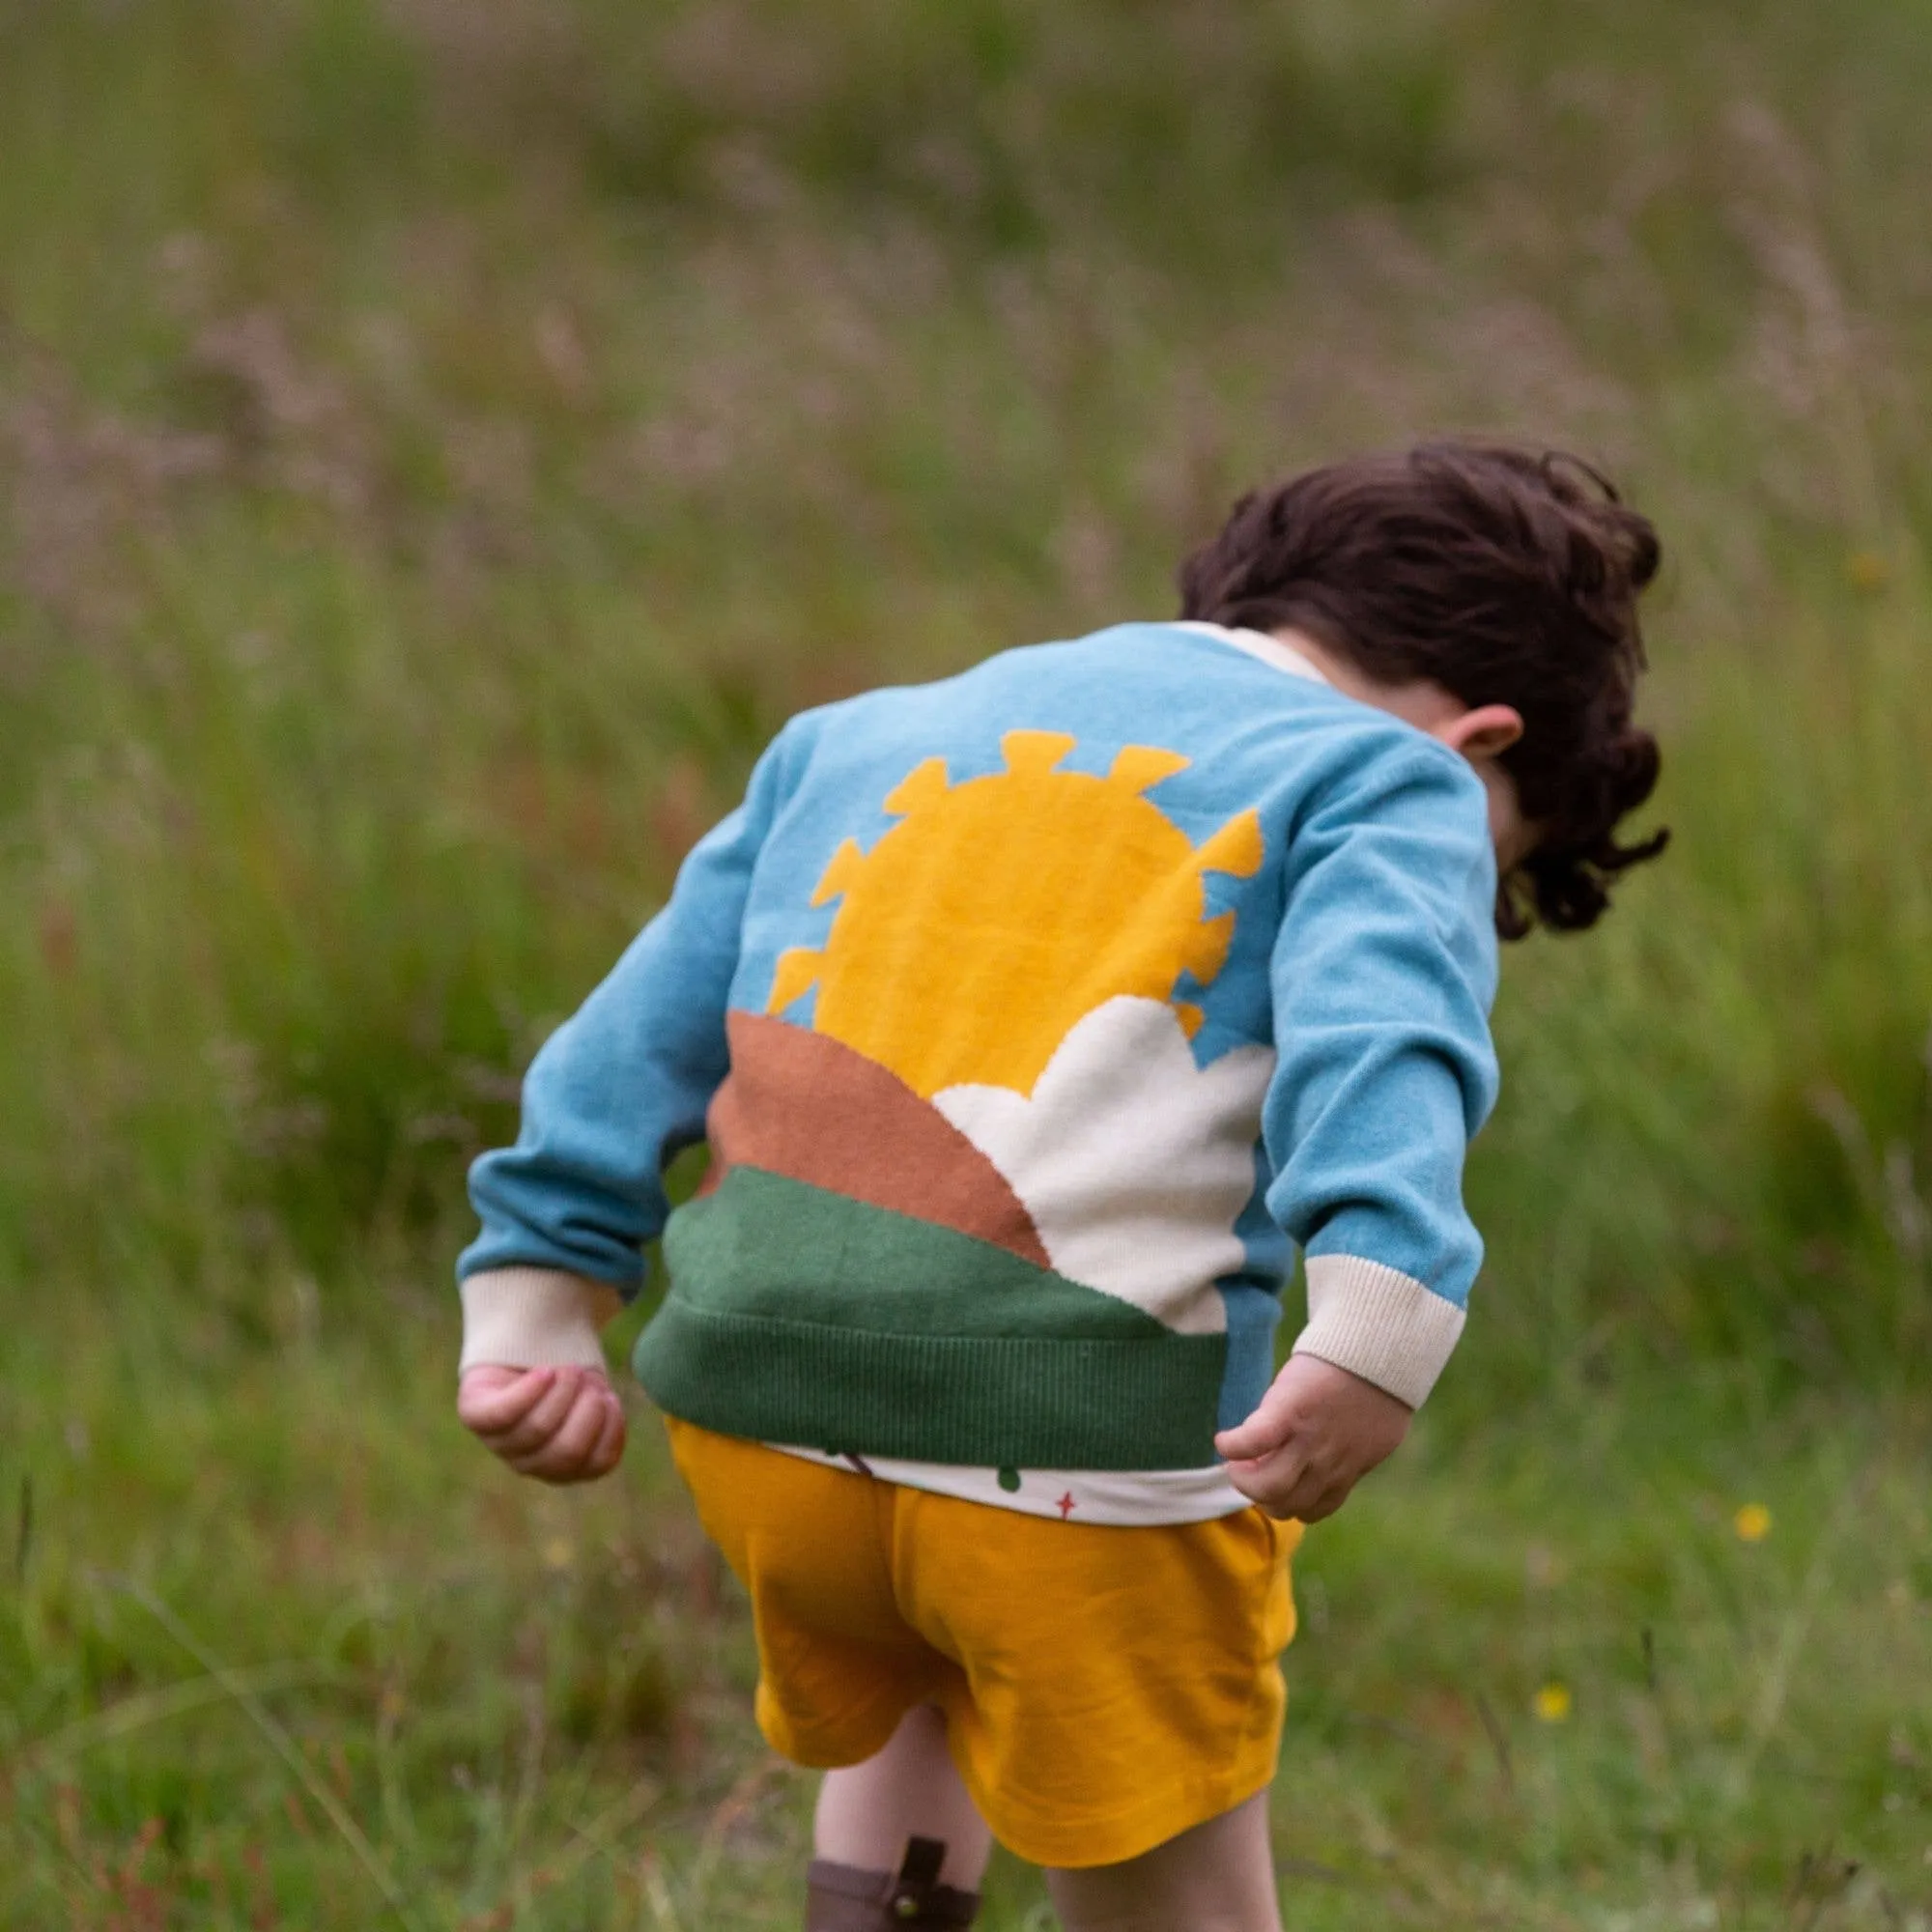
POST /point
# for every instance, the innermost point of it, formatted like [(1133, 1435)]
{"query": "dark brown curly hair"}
[(1504, 575)]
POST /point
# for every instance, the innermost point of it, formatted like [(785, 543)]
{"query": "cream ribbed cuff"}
[(1379, 1323), (531, 1318)]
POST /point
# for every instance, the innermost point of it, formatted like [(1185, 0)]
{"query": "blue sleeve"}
[(624, 1084), (1382, 977)]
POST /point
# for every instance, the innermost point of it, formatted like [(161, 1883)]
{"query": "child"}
[(1030, 1016)]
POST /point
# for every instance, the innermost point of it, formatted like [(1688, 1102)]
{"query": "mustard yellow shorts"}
[(1103, 1687)]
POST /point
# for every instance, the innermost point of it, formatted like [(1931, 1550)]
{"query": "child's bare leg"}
[(909, 1790), (1218, 1877)]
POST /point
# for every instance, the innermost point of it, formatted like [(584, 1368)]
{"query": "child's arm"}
[(613, 1094), (1382, 976)]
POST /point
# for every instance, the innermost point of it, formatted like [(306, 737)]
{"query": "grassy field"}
[(439, 446)]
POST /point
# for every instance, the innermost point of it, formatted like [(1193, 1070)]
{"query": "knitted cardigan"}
[(1030, 1016)]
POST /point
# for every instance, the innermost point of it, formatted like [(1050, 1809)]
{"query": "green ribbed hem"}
[(989, 1402)]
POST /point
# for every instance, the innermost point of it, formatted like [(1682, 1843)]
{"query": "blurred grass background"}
[(439, 446)]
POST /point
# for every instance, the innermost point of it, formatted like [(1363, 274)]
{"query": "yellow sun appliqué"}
[(1000, 911)]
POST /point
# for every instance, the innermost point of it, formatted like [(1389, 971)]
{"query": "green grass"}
[(259, 1585), (439, 446)]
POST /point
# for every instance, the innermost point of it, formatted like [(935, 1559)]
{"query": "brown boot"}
[(846, 1898)]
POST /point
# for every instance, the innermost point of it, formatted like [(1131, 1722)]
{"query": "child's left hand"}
[(558, 1425), (1316, 1433)]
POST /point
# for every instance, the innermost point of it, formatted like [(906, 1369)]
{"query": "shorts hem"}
[(819, 1751), (1081, 1844)]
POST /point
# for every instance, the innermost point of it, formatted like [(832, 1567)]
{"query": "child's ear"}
[(1486, 732)]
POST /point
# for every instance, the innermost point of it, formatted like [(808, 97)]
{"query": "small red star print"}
[(1067, 1506)]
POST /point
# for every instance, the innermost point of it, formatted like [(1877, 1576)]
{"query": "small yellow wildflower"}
[(557, 1553), (1752, 1522), (1552, 1703), (1867, 570)]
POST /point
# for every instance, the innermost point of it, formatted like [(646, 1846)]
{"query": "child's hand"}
[(1319, 1431), (559, 1424)]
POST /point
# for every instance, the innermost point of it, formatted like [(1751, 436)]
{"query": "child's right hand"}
[(558, 1425)]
